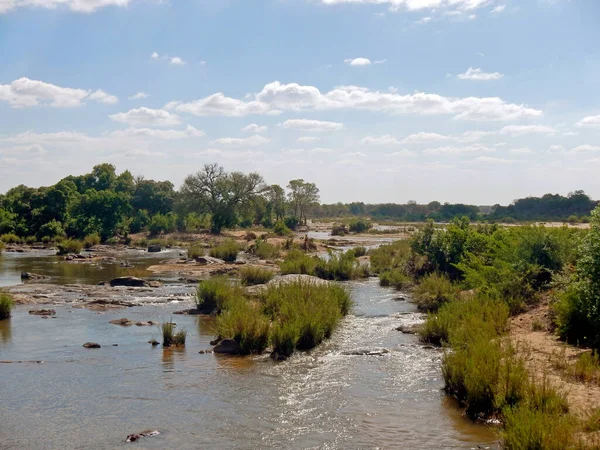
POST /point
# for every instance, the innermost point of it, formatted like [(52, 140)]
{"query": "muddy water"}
[(328, 398)]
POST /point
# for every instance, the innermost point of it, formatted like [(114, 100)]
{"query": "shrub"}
[(29, 240), (6, 305), (168, 333), (253, 275), (46, 240), (226, 250), (284, 337), (67, 246), (195, 251), (359, 225), (179, 338), (291, 222), (263, 250), (53, 229), (359, 251), (394, 277), (389, 256), (91, 240), (250, 236), (10, 238), (339, 266), (298, 262), (244, 322), (530, 429), (215, 293), (339, 230), (433, 291), (281, 229), (1, 246)]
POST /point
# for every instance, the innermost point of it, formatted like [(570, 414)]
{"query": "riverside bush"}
[(263, 250), (195, 251), (215, 293), (253, 275), (359, 225), (10, 238), (243, 321), (394, 277), (67, 246), (226, 250), (298, 262), (90, 240), (433, 291), (6, 305)]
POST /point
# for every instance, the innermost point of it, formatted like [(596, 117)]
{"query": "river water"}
[(81, 398)]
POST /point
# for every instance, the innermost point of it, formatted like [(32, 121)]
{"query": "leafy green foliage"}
[(433, 291), (281, 229), (90, 240), (195, 251), (67, 246), (298, 262), (359, 225), (263, 250)]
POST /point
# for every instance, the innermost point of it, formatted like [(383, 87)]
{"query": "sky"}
[(471, 101)]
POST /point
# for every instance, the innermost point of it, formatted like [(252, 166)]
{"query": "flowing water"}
[(326, 399)]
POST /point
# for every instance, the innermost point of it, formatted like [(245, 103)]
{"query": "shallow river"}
[(93, 398)]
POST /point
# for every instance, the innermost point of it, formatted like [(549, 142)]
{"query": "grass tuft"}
[(6, 305), (226, 250), (253, 275)]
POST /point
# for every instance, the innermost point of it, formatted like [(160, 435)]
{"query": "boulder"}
[(32, 276), (367, 352), (42, 312), (410, 329), (227, 347), (154, 342), (128, 281), (144, 324), (123, 322), (154, 248), (91, 345), (136, 436), (154, 284), (202, 260)]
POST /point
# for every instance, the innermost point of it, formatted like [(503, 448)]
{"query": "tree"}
[(276, 197), (302, 196), (220, 193)]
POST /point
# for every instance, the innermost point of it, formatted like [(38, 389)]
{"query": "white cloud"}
[(521, 151), (297, 151), (358, 62), (585, 148), (590, 121), (472, 16), (350, 162), (475, 148), (25, 92), (308, 139), (24, 150), (188, 132), (556, 148), (520, 130), (356, 154), (102, 97), (311, 125), (276, 97), (380, 61), (466, 137), (403, 152), (176, 60), (380, 140), (155, 55), (423, 21), (143, 152), (83, 6), (498, 9), (146, 117), (492, 160), (252, 141), (479, 75), (254, 128), (415, 5), (231, 155), (139, 96)]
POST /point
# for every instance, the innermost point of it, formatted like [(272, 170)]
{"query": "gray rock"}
[(410, 329), (123, 322), (227, 347), (128, 281), (42, 312), (92, 345), (154, 248), (32, 276)]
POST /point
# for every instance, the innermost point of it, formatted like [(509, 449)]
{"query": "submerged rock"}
[(42, 312), (145, 324), (128, 281), (137, 436), (154, 284), (33, 276), (123, 322), (410, 329), (367, 352), (91, 345), (154, 248), (227, 347), (154, 342)]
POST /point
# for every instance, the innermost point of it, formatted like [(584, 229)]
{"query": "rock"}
[(69, 258), (154, 248), (190, 312), (367, 352), (32, 276), (278, 356), (79, 256), (227, 347), (202, 260), (216, 341), (205, 352), (137, 436), (42, 312), (91, 345), (128, 281), (154, 284), (123, 322), (239, 263), (410, 329), (154, 342), (400, 299), (144, 324)]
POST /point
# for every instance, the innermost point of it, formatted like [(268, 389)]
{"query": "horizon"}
[(374, 101)]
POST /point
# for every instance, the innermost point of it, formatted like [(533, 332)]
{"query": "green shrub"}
[(291, 222), (1, 246), (46, 240), (243, 321), (29, 240), (67, 246), (359, 251), (250, 236), (359, 225), (215, 293), (389, 256), (281, 229), (339, 266), (226, 250), (10, 238), (433, 291), (263, 250), (168, 333), (297, 262), (394, 277), (195, 251), (284, 337), (253, 275), (90, 240), (6, 305), (339, 230), (530, 429), (179, 338), (53, 229)]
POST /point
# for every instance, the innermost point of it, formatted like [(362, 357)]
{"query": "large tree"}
[(302, 196), (220, 193)]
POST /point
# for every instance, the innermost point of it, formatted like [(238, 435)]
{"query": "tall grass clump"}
[(394, 277), (195, 251), (226, 250), (359, 225), (67, 246), (263, 250), (298, 262), (90, 240), (433, 291), (253, 275), (10, 238), (244, 322), (1, 246), (389, 256), (179, 338), (304, 314), (359, 251), (6, 305), (168, 334), (339, 266), (214, 294)]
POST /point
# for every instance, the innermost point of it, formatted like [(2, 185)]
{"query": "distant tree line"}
[(112, 205)]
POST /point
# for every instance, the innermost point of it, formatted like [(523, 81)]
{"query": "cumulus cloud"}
[(585, 148), (146, 117), (102, 97), (520, 130), (556, 148), (25, 92), (498, 9), (520, 151), (297, 151), (479, 75), (492, 160), (251, 141), (590, 121), (188, 132), (358, 61), (311, 125), (308, 139), (380, 140), (449, 150), (83, 6), (403, 152), (143, 152), (139, 96), (276, 97), (423, 21), (415, 5), (177, 61), (254, 128), (466, 137)]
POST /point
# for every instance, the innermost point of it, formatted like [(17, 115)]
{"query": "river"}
[(81, 398)]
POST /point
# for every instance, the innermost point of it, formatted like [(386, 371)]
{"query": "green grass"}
[(6, 305), (10, 238), (30, 240), (179, 338), (339, 266), (389, 256), (433, 291), (394, 277), (226, 250), (195, 251), (90, 240), (253, 275), (214, 294), (168, 334), (297, 262), (263, 250), (244, 322), (67, 246), (359, 251)]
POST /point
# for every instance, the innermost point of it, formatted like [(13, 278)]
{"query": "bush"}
[(53, 229), (168, 333), (291, 222), (359, 225), (339, 230), (6, 305), (10, 238), (253, 275), (263, 250), (359, 251), (298, 262), (394, 277), (389, 256), (250, 236), (90, 240), (433, 291), (340, 267), (226, 250), (195, 251), (1, 246), (244, 322), (69, 246), (281, 229), (530, 429), (46, 240), (179, 338), (215, 293), (29, 240)]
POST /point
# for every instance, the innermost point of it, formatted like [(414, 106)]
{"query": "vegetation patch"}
[(90, 240), (227, 250), (6, 305), (67, 246), (253, 275), (214, 294)]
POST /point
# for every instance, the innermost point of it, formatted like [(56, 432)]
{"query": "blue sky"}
[(478, 101)]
